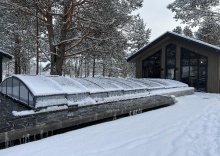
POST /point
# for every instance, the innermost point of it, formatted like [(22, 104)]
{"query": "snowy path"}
[(189, 128)]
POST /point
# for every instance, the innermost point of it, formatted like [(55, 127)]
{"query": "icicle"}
[(41, 134), (28, 137), (6, 140), (23, 139), (114, 117), (46, 134)]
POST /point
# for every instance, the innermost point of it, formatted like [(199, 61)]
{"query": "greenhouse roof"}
[(70, 86), (43, 91), (41, 85)]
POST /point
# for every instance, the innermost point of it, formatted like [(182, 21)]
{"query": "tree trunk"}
[(17, 55), (58, 57), (93, 67)]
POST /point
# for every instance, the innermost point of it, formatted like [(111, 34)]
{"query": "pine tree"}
[(178, 30), (193, 12), (187, 32), (209, 32), (71, 25)]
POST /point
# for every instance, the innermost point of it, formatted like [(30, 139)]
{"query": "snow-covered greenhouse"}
[(34, 107), (44, 91)]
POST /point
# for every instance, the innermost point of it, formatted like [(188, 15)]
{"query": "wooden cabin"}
[(177, 57)]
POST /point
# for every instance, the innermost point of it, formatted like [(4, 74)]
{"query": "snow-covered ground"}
[(191, 127)]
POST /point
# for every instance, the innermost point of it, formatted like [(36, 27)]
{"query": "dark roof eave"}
[(5, 56)]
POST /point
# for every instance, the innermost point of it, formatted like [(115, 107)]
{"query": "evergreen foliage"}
[(74, 37)]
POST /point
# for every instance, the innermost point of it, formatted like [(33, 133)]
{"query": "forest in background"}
[(82, 38), (78, 38)]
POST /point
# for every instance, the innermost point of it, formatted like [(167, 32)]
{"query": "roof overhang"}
[(5, 56)]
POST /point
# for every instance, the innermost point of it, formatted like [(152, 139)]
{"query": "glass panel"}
[(146, 73), (185, 74), (150, 72), (31, 100), (153, 68), (171, 73), (185, 58), (193, 76), (194, 71), (171, 55), (146, 63), (202, 79), (202, 60), (3, 86), (16, 88), (170, 61), (156, 72), (9, 86), (157, 61), (23, 93), (151, 62), (193, 59)]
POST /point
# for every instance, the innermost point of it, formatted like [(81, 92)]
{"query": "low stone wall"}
[(30, 125)]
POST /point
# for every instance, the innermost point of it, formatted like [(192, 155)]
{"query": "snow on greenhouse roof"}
[(45, 91), (69, 85), (40, 85), (90, 85), (104, 83), (149, 84), (133, 84)]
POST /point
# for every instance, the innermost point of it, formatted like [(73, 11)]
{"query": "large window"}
[(152, 66), (170, 62), (194, 69)]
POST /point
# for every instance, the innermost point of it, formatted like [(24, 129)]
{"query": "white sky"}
[(158, 18)]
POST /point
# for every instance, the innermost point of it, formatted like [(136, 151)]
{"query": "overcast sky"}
[(158, 18)]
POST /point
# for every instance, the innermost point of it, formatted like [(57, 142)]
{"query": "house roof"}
[(5, 56), (195, 42)]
